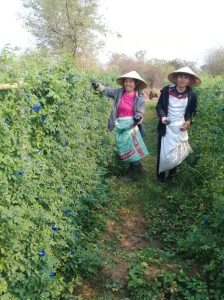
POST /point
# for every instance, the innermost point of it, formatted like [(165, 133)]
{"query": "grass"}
[(145, 215), (126, 226)]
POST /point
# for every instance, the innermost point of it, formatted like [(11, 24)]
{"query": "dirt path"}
[(125, 234), (120, 240)]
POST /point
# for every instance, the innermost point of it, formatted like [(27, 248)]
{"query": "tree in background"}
[(65, 26), (179, 63), (121, 63), (157, 73), (154, 71), (214, 61)]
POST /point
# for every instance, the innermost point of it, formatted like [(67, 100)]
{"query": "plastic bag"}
[(174, 147), (129, 142)]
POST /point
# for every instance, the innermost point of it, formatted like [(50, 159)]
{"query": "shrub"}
[(55, 151)]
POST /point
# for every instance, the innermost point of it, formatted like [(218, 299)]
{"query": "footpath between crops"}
[(126, 230)]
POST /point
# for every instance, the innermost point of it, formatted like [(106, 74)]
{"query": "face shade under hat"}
[(185, 71), (133, 75)]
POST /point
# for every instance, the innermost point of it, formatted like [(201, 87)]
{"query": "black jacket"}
[(162, 107)]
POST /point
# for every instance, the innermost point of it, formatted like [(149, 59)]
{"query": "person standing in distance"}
[(128, 102), (175, 108)]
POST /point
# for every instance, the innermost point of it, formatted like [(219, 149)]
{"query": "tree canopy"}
[(70, 26)]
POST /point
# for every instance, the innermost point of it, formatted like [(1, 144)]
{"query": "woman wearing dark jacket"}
[(128, 102), (175, 108)]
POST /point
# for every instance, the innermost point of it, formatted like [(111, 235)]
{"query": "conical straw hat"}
[(185, 70), (134, 75)]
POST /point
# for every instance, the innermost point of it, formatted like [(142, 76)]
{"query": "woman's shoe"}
[(134, 171)]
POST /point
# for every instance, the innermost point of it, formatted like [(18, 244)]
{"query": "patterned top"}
[(177, 103)]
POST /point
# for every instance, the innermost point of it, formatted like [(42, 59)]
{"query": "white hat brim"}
[(186, 70), (133, 75)]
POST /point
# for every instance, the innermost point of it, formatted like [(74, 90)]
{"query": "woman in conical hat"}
[(175, 108), (129, 105)]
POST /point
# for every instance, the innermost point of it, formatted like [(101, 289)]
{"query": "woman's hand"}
[(95, 84), (165, 120), (185, 126), (137, 120)]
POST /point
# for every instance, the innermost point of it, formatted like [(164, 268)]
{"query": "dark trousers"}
[(161, 176), (135, 164)]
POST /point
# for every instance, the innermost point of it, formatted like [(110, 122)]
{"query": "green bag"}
[(129, 142)]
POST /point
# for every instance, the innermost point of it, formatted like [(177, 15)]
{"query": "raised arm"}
[(108, 92)]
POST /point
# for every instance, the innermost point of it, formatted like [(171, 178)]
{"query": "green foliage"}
[(15, 67), (54, 155), (69, 26), (186, 214), (155, 275), (8, 65)]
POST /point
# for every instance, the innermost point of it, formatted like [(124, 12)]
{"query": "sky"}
[(11, 29), (165, 29)]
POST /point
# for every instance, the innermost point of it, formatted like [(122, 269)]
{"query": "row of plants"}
[(55, 154)]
